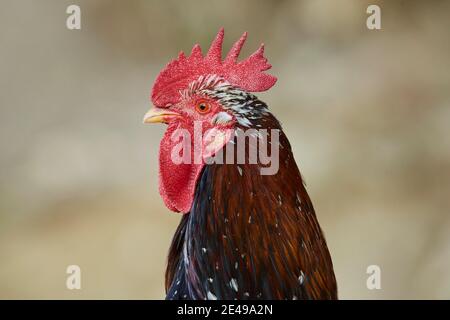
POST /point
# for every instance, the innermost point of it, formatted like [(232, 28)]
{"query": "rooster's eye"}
[(202, 107)]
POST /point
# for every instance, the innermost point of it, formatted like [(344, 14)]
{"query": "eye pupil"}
[(202, 107)]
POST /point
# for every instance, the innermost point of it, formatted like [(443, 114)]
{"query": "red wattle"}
[(176, 181)]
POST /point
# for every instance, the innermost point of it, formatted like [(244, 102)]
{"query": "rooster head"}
[(206, 98)]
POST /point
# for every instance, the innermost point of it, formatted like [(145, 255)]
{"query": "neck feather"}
[(250, 236)]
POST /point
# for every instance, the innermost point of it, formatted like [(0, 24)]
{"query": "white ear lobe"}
[(214, 140), (222, 118)]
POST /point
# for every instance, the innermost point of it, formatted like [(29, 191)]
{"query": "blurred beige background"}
[(367, 114)]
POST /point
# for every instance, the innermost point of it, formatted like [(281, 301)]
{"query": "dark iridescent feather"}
[(251, 236)]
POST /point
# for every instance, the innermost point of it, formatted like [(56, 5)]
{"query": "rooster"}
[(243, 234)]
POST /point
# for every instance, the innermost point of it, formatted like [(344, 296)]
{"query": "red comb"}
[(248, 74)]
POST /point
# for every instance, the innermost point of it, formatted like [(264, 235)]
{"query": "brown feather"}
[(260, 230)]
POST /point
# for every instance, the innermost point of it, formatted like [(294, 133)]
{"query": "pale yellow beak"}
[(158, 115)]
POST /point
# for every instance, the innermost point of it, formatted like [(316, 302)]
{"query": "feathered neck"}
[(250, 236)]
